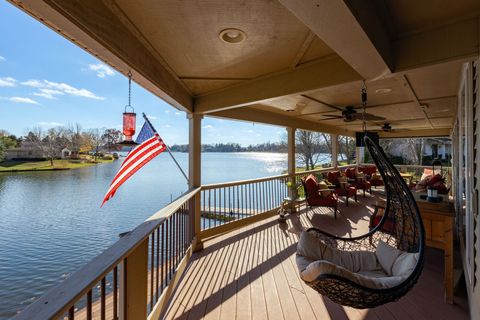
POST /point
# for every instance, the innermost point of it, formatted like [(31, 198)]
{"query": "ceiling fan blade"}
[(331, 116)]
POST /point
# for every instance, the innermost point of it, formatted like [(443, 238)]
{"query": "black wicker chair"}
[(408, 235)]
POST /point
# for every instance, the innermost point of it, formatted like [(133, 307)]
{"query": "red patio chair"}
[(359, 183), (371, 175), (343, 189), (317, 197)]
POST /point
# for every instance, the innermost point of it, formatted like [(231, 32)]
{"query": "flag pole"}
[(168, 149)]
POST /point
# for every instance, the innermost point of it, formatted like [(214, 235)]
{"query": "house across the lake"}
[(336, 67)]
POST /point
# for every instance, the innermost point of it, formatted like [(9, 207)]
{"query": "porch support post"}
[(133, 284), (194, 173), (360, 153), (291, 158), (334, 144)]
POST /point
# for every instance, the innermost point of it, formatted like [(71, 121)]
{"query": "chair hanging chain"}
[(364, 105), (129, 88)]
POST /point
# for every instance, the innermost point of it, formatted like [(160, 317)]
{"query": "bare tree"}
[(49, 143), (111, 137), (410, 149), (309, 145), (74, 135), (96, 141)]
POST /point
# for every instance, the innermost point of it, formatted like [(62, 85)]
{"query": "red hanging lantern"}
[(129, 118)]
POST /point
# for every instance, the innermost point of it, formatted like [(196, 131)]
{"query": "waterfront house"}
[(295, 64)]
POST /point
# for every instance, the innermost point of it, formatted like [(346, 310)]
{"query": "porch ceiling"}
[(306, 56)]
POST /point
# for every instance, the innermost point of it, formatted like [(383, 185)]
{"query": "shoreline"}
[(36, 166)]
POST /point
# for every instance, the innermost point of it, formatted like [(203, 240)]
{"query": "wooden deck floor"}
[(251, 274)]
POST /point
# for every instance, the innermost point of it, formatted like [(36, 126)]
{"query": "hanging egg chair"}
[(377, 267)]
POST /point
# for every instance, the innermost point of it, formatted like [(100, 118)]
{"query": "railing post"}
[(334, 144), (194, 172), (133, 284)]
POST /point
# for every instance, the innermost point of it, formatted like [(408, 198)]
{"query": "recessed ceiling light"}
[(232, 35), (383, 90)]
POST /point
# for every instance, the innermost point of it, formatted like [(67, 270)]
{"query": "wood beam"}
[(440, 132), (319, 74), (351, 29), (452, 42), (260, 116), (91, 25)]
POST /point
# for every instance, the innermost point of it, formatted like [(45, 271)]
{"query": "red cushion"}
[(435, 179), (312, 186), (349, 191), (350, 173), (329, 201), (368, 170), (332, 176)]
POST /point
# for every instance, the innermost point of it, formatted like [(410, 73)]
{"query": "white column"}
[(291, 157), (194, 171), (334, 144)]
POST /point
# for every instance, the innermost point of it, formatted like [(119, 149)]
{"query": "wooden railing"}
[(225, 206), (132, 279), (226, 203)]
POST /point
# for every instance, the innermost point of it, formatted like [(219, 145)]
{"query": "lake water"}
[(51, 222)]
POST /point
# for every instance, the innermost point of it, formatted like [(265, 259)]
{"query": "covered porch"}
[(300, 65), (250, 273)]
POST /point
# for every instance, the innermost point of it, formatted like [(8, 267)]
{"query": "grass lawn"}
[(13, 165)]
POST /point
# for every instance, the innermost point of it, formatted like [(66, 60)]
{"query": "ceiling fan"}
[(349, 114), (387, 127)]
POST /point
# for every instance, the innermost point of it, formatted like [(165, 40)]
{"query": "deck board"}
[(251, 273)]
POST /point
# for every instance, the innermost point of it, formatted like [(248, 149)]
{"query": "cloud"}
[(8, 82), (178, 113), (167, 126), (208, 126), (22, 100), (250, 131), (48, 93), (50, 124), (59, 87), (152, 117), (2, 59), (102, 70)]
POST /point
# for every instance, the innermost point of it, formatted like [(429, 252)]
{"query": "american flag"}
[(150, 145)]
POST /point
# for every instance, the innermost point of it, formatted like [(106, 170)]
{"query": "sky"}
[(47, 81)]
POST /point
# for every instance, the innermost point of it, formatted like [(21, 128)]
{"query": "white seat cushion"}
[(385, 268)]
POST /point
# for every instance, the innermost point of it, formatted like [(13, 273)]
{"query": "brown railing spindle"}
[(115, 293), (102, 299), (71, 313), (89, 305), (152, 267)]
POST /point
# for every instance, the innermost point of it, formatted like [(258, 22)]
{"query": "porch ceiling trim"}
[(320, 74), (351, 29), (95, 28), (260, 116), (439, 132)]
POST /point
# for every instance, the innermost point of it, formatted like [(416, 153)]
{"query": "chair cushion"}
[(312, 247), (369, 171), (405, 264), (311, 185), (323, 185), (314, 259), (386, 255), (332, 177)]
